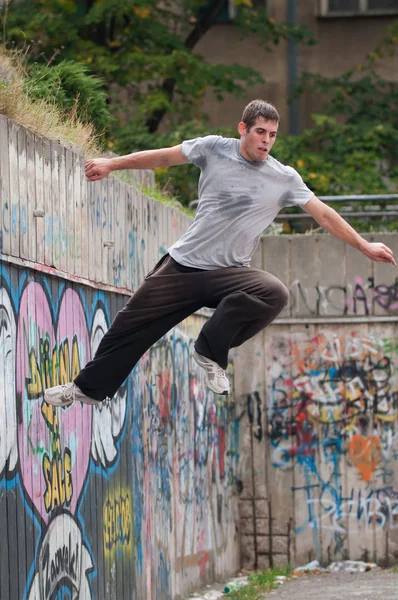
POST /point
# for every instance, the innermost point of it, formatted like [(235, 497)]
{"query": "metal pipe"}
[(346, 215), (359, 198), (292, 61), (353, 198)]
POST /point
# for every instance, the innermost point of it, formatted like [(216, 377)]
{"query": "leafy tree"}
[(147, 48), (360, 95), (360, 154), (340, 159)]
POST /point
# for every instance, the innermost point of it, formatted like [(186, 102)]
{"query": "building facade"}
[(345, 30)]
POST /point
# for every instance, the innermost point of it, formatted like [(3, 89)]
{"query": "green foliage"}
[(260, 583), (346, 159), (268, 31), (70, 86), (143, 54), (165, 197), (360, 95), (367, 99), (360, 155), (332, 158), (40, 114), (146, 48), (337, 159)]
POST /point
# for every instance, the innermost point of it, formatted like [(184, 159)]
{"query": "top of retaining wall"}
[(106, 233)]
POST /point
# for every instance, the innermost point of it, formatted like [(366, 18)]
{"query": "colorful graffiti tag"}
[(111, 499), (332, 402)]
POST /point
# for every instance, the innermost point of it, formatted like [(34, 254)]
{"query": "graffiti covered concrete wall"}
[(133, 499), (318, 395), (107, 232)]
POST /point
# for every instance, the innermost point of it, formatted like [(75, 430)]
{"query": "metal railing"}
[(375, 211), (347, 212)]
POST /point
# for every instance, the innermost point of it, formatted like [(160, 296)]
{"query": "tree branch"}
[(203, 24)]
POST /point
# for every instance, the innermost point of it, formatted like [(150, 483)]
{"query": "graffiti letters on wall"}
[(361, 297), (100, 487), (332, 411)]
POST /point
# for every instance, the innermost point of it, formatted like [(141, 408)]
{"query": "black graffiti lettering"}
[(45, 569), (252, 398), (250, 413), (330, 292), (335, 297), (360, 296), (302, 294), (64, 562), (54, 570), (385, 296)]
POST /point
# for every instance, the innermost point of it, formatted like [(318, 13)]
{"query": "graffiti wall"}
[(332, 412), (132, 499), (318, 397)]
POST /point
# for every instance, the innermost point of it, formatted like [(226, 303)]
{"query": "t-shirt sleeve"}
[(298, 193), (196, 150)]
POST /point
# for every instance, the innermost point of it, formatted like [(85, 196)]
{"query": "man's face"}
[(256, 144)]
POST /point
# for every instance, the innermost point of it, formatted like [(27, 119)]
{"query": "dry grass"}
[(40, 116)]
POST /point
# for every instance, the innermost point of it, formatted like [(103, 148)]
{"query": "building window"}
[(343, 5), (345, 8)]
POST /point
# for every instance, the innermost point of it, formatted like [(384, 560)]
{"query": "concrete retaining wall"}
[(317, 394), (133, 499)]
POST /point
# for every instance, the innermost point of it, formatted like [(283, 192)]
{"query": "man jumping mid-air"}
[(241, 190)]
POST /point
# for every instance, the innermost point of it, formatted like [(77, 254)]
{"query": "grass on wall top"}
[(41, 116)]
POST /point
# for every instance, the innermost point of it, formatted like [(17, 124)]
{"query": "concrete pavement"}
[(372, 585)]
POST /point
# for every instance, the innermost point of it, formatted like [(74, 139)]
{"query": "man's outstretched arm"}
[(337, 226), (98, 168)]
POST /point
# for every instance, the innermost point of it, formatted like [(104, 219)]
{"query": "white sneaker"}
[(64, 395), (215, 376)]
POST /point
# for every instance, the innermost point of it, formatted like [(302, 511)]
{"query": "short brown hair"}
[(259, 108)]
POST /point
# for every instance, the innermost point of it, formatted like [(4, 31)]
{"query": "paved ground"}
[(372, 585), (377, 584)]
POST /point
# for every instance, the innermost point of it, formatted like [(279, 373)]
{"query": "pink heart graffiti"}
[(54, 443)]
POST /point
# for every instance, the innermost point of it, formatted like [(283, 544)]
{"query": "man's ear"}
[(241, 128)]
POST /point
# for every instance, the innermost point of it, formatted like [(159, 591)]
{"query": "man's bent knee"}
[(275, 292), (282, 295)]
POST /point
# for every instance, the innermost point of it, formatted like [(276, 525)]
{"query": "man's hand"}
[(98, 168), (379, 252), (329, 219)]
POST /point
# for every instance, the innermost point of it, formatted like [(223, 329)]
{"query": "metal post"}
[(292, 59)]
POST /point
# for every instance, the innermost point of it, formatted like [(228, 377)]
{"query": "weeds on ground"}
[(259, 584)]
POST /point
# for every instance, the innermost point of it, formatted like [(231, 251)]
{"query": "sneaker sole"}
[(87, 400), (54, 402)]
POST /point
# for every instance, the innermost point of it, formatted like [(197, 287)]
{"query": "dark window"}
[(341, 8), (343, 5), (382, 4)]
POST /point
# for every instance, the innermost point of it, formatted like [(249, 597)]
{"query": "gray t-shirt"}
[(238, 199)]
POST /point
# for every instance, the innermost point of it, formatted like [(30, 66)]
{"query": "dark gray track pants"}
[(246, 300)]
